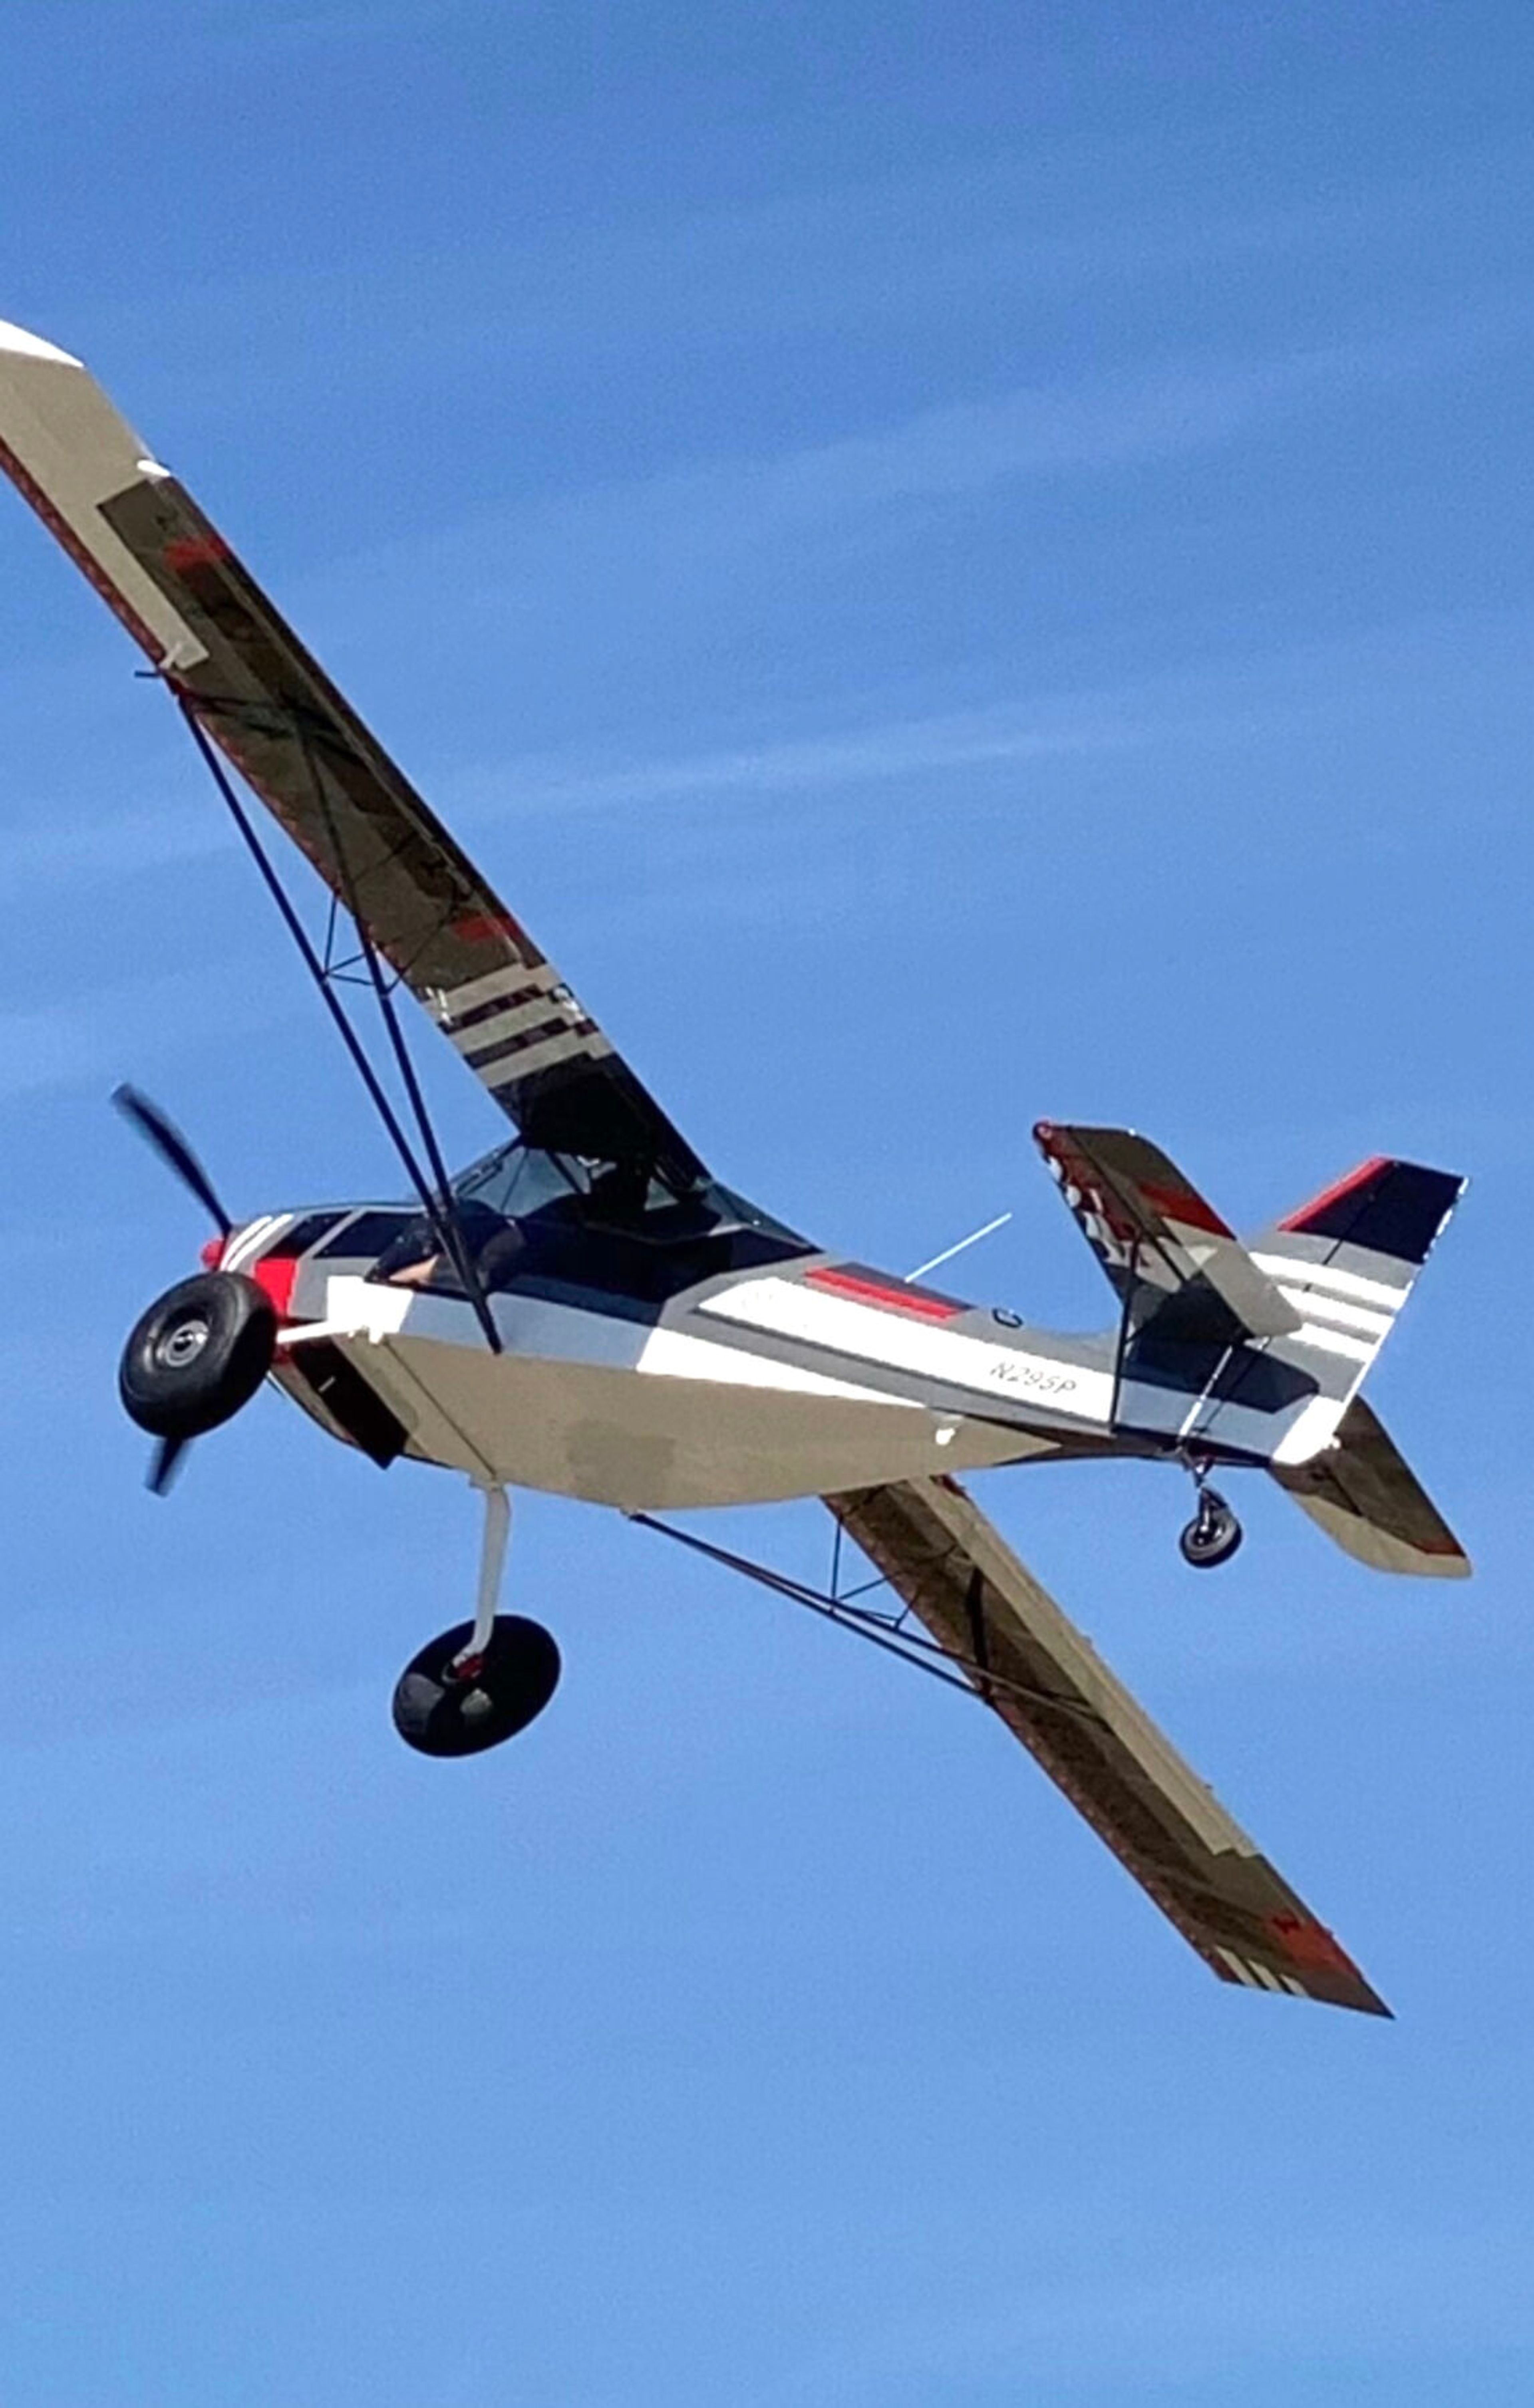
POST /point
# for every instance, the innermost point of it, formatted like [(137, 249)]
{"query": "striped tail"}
[(1347, 1262)]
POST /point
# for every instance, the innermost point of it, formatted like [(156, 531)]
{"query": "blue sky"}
[(955, 564)]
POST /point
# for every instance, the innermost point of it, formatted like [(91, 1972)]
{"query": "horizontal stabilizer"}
[(1362, 1495), (1150, 1228)]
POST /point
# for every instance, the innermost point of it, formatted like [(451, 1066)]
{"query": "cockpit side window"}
[(540, 1220), (517, 1179)]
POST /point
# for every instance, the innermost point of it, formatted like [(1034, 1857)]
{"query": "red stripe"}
[(276, 1275), (895, 1299), (189, 551), (484, 927), (1359, 1178), (1309, 1944), (1186, 1204)]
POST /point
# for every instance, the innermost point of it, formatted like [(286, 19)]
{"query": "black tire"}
[(197, 1355), (440, 1713), (1213, 1535)]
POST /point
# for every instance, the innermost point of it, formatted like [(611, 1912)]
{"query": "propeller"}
[(157, 1129), (165, 1463), (160, 1131)]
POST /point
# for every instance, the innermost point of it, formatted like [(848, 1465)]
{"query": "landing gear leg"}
[(497, 1531), (485, 1680), (1215, 1533)]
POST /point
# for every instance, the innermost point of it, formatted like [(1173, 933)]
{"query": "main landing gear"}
[(194, 1360), (197, 1355), (485, 1680), (1215, 1533)]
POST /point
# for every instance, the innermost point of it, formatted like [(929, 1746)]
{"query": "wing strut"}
[(971, 1676), (460, 1254), (438, 1206), (996, 1634)]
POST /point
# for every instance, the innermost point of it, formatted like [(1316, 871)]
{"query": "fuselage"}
[(674, 1345), (638, 1385)]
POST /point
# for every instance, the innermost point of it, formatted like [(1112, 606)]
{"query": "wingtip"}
[(34, 347)]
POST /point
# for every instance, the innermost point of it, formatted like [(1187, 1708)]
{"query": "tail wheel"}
[(1213, 1534)]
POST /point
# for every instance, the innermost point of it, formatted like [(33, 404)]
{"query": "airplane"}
[(588, 1311)]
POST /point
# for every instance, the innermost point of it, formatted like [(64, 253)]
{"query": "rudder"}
[(1386, 1206)]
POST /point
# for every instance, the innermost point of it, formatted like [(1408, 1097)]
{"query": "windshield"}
[(516, 1179), (547, 1222)]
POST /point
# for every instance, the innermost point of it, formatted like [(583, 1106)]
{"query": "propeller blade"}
[(164, 1464), (173, 1151)]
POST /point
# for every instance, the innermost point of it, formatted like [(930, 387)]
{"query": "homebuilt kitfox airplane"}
[(588, 1311)]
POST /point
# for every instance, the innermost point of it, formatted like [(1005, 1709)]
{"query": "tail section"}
[(1348, 1261), (1157, 1237), (1392, 1211), (1259, 1350)]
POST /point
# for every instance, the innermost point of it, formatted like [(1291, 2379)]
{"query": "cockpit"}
[(557, 1225)]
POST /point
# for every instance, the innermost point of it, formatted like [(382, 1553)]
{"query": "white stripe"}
[(674, 1355), (1337, 1315), (250, 1240), (1270, 1981), (1242, 1970), (1313, 1428), (874, 1334), (1331, 1341), (509, 980), (565, 1043), (1367, 1291), (1295, 1989), (510, 1023)]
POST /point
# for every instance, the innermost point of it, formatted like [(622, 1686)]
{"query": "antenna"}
[(948, 1252)]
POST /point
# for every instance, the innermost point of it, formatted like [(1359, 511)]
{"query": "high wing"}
[(245, 677), (941, 1555)]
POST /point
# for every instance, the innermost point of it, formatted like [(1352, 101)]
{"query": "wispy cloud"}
[(943, 244), (882, 752), (1159, 411), (65, 847), (1211, 704), (689, 534), (703, 519), (94, 852)]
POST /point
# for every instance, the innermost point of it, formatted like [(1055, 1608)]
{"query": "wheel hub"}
[(184, 1345), (450, 1702)]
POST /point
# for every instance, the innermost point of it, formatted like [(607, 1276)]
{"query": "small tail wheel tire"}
[(1213, 1534), (197, 1355), (443, 1707)]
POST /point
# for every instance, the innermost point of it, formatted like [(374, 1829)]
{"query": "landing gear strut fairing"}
[(588, 1311)]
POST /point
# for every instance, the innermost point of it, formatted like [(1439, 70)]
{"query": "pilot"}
[(494, 1246)]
